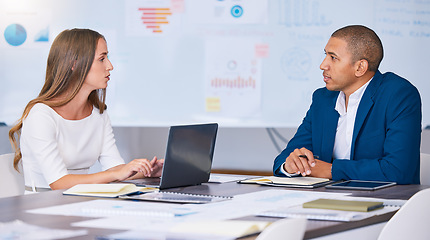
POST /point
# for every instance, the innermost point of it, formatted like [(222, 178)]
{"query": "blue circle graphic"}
[(15, 34), (236, 11)]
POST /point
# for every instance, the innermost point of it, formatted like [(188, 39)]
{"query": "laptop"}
[(188, 159)]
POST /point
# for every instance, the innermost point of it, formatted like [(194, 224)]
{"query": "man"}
[(363, 125)]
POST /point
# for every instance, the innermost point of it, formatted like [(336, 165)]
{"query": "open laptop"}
[(188, 159)]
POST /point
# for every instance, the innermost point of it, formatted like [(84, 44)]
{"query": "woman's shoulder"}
[(41, 109), (98, 114), (40, 116)]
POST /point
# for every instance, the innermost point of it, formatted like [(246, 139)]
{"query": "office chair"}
[(425, 169), (11, 181), (411, 221), (288, 228)]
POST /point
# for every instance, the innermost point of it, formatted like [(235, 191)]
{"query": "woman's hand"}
[(134, 167), (157, 167)]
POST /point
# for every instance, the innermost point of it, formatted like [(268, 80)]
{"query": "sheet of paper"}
[(223, 178), (240, 206), (324, 214), (21, 230), (137, 234), (228, 228), (298, 211), (106, 208), (252, 203), (141, 223)]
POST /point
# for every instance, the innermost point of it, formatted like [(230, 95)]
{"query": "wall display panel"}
[(242, 63)]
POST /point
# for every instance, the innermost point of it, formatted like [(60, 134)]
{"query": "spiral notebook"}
[(176, 197)]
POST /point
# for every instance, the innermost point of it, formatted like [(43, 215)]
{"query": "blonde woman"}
[(66, 129)]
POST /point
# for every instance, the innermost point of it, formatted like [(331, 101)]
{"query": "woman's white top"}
[(53, 147)]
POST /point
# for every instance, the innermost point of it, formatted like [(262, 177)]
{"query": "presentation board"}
[(241, 63)]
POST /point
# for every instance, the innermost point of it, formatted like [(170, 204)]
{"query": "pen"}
[(304, 156)]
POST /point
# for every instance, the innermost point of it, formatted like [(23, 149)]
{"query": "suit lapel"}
[(366, 104), (329, 127)]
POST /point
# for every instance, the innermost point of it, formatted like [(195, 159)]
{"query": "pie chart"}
[(15, 34)]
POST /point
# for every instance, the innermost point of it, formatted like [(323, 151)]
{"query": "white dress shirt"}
[(346, 122)]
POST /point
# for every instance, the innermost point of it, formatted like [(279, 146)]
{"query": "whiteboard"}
[(241, 63)]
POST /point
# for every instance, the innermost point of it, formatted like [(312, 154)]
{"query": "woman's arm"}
[(121, 172)]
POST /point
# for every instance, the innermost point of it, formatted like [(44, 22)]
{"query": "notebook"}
[(188, 159), (344, 205), (296, 182), (112, 190)]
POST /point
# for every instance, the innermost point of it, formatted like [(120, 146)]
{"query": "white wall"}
[(165, 79)]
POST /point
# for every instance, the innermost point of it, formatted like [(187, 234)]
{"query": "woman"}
[(65, 130)]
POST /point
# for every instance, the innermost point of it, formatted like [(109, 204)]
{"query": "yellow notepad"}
[(345, 205), (227, 228), (110, 190)]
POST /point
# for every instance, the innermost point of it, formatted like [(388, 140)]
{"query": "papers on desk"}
[(160, 217), (21, 230), (224, 178), (150, 216), (137, 234), (299, 211), (113, 208)]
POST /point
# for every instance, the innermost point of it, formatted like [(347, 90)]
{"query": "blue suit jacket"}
[(387, 132)]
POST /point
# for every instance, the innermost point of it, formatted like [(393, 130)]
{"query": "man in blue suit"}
[(363, 125)]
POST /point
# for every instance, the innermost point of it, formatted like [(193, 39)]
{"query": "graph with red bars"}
[(238, 82), (155, 18)]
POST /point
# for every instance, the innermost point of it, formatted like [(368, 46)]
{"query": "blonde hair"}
[(69, 61)]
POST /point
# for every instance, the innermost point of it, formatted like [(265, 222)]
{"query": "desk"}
[(14, 207)]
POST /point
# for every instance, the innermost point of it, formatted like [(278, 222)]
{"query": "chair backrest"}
[(425, 169), (411, 221), (288, 228), (11, 181)]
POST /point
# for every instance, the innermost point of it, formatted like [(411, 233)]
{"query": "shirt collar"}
[(355, 96)]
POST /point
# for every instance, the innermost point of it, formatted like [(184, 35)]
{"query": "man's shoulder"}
[(394, 86), (394, 83), (390, 79)]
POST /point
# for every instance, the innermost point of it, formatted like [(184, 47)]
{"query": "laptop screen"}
[(189, 155)]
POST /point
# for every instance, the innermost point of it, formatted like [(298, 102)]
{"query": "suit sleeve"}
[(302, 138)]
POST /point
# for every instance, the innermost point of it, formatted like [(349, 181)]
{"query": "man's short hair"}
[(363, 43)]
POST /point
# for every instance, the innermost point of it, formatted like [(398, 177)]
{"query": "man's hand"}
[(322, 169), (302, 161)]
